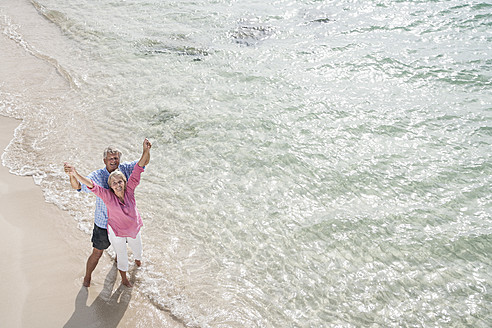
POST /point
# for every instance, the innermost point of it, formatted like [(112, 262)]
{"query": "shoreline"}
[(45, 252), (44, 264), (43, 269)]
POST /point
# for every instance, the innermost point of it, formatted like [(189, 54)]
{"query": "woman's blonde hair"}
[(114, 174)]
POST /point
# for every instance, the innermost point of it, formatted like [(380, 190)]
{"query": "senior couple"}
[(117, 221)]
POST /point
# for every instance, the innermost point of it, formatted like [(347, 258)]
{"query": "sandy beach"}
[(44, 252), (43, 262)]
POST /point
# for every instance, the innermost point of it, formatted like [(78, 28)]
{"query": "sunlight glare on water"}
[(315, 164)]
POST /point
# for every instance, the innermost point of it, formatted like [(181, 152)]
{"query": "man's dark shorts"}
[(100, 238)]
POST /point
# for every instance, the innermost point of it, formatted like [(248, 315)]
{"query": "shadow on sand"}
[(107, 309)]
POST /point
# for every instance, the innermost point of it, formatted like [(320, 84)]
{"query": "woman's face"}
[(117, 184)]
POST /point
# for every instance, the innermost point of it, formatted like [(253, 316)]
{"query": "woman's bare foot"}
[(124, 279), (138, 262), (87, 282), (127, 283)]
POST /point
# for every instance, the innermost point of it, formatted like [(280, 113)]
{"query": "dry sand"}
[(41, 263)]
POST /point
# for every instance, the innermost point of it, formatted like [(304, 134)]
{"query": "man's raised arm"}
[(145, 159)]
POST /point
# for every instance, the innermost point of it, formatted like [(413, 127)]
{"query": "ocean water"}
[(314, 163)]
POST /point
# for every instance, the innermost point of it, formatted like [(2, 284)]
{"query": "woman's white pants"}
[(119, 245)]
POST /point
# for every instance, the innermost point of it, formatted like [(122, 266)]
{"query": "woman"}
[(124, 221)]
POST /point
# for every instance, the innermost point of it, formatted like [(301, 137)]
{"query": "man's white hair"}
[(111, 150)]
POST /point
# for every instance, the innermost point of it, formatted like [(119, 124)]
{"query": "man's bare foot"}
[(138, 262), (87, 282)]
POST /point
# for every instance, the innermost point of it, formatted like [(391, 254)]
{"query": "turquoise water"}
[(315, 163)]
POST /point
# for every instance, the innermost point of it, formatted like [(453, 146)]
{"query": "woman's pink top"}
[(123, 218)]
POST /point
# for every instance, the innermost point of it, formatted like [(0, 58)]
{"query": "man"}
[(100, 240)]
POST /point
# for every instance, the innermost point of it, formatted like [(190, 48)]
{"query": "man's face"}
[(112, 162)]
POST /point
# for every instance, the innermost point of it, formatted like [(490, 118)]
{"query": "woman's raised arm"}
[(145, 159)]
